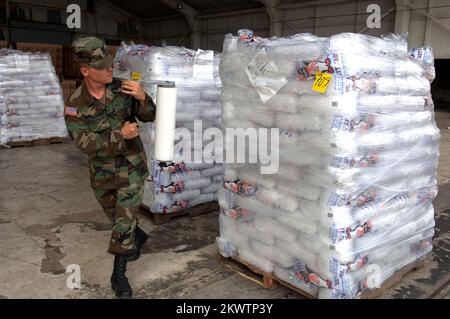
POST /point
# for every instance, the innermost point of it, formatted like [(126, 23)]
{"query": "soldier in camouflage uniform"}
[(101, 122)]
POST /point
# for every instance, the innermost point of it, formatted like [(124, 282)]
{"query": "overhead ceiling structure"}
[(145, 9)]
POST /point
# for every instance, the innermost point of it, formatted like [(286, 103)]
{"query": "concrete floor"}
[(49, 219)]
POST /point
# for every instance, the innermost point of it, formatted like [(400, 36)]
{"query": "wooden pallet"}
[(393, 280), (163, 218), (38, 142), (250, 272), (269, 280)]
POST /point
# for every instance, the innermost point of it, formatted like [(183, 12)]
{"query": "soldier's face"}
[(98, 75)]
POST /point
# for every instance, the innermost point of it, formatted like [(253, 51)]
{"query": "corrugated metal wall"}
[(323, 20), (103, 22), (174, 31), (321, 17), (214, 28), (328, 19), (433, 29)]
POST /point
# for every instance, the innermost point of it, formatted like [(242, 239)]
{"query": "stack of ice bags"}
[(31, 102), (351, 203), (193, 177)]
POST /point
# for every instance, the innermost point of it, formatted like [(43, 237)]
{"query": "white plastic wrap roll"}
[(165, 123)]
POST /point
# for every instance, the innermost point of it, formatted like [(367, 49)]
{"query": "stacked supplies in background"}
[(193, 177), (31, 102), (54, 50), (351, 203)]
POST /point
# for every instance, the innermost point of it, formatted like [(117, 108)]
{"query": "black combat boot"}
[(119, 282), (140, 238)]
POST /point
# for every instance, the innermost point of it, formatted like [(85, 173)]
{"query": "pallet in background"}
[(38, 142), (269, 280), (163, 218)]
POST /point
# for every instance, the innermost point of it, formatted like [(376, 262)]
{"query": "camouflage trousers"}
[(121, 206)]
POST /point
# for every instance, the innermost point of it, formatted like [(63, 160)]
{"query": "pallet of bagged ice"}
[(193, 177), (351, 203), (31, 103)]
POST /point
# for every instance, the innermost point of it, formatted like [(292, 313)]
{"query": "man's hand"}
[(130, 130), (134, 89)]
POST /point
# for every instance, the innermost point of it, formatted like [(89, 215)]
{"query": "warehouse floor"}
[(49, 219)]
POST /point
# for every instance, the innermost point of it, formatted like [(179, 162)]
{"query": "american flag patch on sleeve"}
[(71, 111)]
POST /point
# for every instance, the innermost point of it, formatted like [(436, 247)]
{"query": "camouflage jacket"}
[(96, 130)]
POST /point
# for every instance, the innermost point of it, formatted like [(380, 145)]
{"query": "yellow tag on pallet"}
[(321, 82), (135, 76)]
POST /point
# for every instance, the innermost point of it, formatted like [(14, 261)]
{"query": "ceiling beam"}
[(311, 3), (190, 14), (164, 18), (231, 13), (116, 8), (182, 7), (402, 17), (276, 26), (429, 16), (211, 2)]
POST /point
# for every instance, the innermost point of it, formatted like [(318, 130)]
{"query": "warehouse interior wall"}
[(44, 21), (426, 21), (215, 27), (176, 30), (327, 18), (171, 31), (319, 17)]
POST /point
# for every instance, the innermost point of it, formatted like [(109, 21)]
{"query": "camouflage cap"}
[(92, 51)]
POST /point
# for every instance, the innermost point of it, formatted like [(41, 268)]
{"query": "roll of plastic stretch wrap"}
[(165, 123)]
